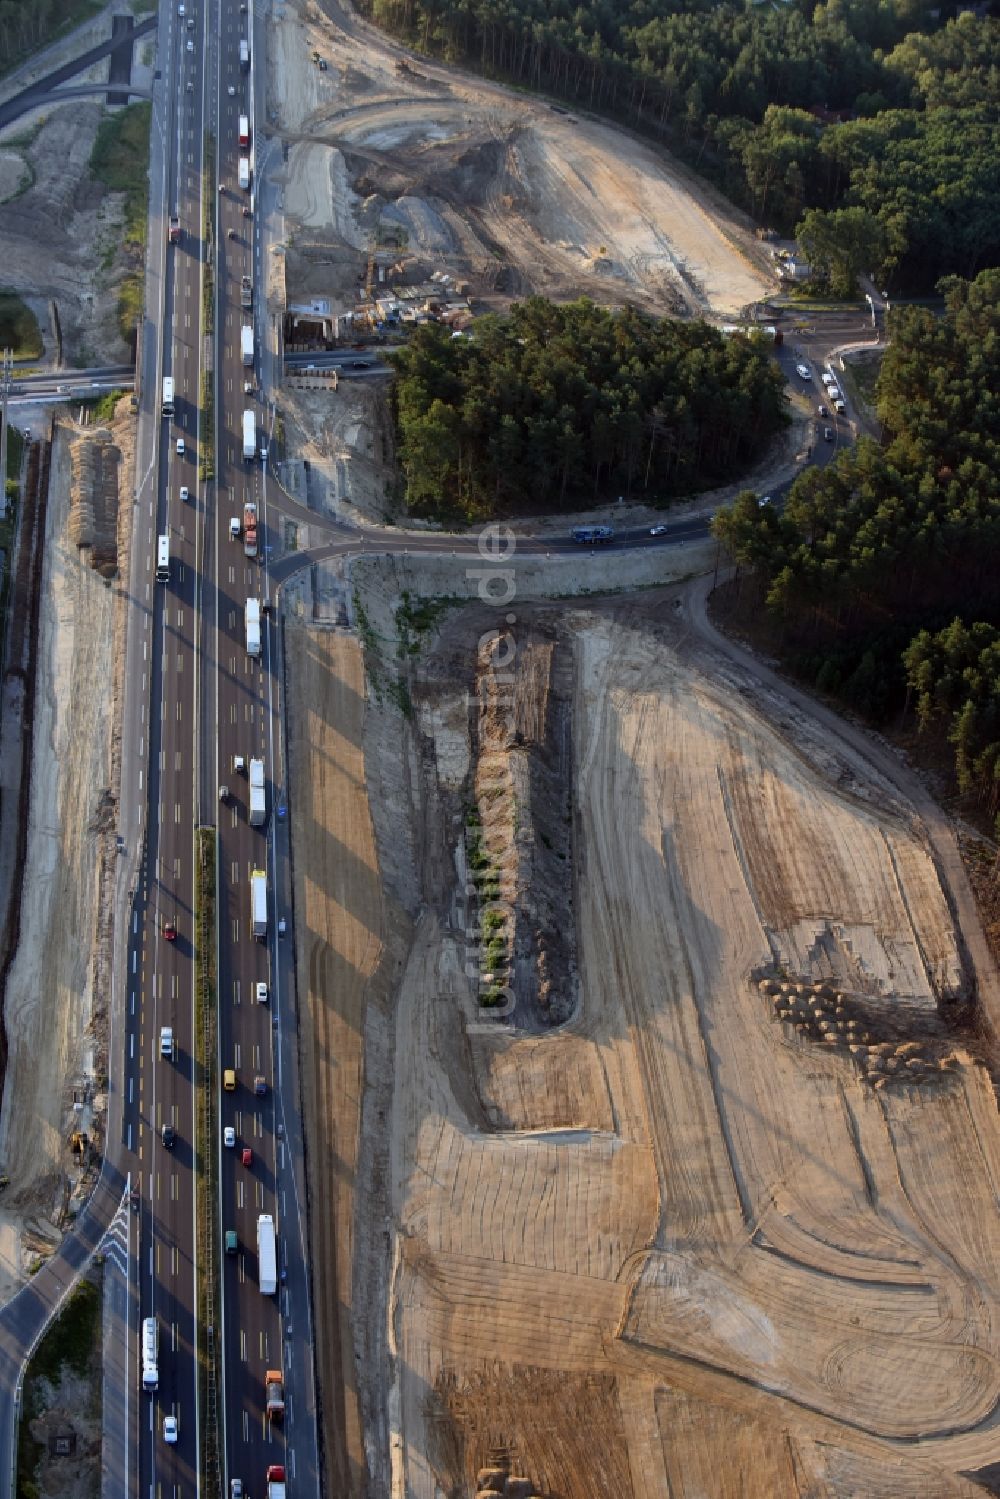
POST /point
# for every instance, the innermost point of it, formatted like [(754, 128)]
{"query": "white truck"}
[(258, 904), (267, 1255), (249, 436), (244, 53), (243, 173), (253, 627), (246, 345), (275, 1481), (258, 805), (150, 1354)]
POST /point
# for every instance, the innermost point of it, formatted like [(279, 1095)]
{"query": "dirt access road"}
[(732, 1227)]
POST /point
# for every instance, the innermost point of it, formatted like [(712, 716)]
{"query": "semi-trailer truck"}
[(274, 1394), (267, 1255), (249, 436), (243, 173), (250, 528), (258, 904), (246, 345), (258, 804), (253, 627), (244, 130)]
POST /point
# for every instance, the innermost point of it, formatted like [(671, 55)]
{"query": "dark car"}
[(361, 364), (168, 1135)]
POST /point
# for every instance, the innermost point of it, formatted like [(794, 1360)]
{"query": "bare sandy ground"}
[(477, 174), (342, 924), (50, 1001), (678, 1221)]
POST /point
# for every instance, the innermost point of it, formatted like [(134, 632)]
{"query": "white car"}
[(765, 499), (190, 45), (185, 494), (657, 530), (180, 10), (231, 91), (262, 994), (803, 371), (229, 1137), (170, 1429), (180, 446)]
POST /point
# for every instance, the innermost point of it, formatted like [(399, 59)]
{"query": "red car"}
[(169, 931), (247, 1156)]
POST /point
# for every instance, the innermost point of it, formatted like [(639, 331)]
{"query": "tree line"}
[(757, 98), (26, 25), (880, 573), (554, 406)]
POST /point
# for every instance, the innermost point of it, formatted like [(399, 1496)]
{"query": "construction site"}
[(667, 1153)]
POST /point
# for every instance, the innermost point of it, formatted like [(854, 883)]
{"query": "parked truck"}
[(258, 804), (258, 904), (244, 131), (250, 528), (244, 53), (174, 228), (246, 292), (275, 1481), (267, 1256), (249, 436), (246, 345), (243, 173), (253, 627), (274, 1394)]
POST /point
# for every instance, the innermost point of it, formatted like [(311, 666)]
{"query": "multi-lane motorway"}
[(209, 702)]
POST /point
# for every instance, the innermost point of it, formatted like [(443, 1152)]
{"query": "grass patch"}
[(70, 1343), (120, 159), (19, 328), (206, 429), (103, 408), (131, 295), (416, 618), (205, 1171)]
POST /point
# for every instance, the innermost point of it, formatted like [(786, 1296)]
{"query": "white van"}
[(163, 559)]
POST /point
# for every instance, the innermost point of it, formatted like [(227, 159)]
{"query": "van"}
[(163, 559), (229, 1080), (232, 1242), (234, 528)]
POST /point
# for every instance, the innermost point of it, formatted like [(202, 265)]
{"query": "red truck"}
[(250, 528), (174, 228)]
